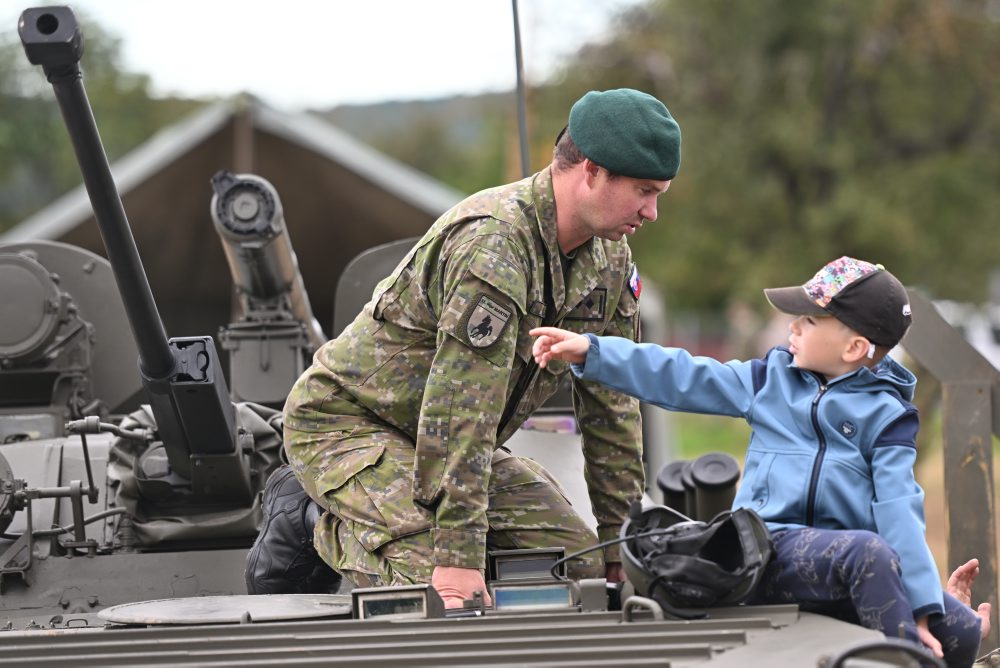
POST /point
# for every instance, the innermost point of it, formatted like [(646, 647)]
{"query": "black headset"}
[(687, 565)]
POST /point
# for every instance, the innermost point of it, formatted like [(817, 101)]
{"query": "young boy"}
[(830, 462)]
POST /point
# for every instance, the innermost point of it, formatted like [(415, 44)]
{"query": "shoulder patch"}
[(485, 320), (635, 282)]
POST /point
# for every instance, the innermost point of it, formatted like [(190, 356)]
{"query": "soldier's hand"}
[(614, 572), (457, 584), (558, 344)]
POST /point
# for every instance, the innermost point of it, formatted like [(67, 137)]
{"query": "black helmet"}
[(687, 566)]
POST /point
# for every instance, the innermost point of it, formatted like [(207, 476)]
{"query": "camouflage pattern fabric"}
[(395, 425), (375, 535)]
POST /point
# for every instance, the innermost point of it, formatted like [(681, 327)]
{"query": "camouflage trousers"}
[(375, 535)]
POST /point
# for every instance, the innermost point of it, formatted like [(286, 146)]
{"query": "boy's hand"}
[(927, 638), (558, 344)]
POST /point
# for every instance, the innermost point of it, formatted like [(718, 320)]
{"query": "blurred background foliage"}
[(811, 130), (36, 158)]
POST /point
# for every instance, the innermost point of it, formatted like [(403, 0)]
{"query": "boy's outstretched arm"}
[(558, 344)]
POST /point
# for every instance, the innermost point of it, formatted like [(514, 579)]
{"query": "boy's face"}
[(820, 343)]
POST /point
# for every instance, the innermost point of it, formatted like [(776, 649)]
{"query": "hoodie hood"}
[(886, 375)]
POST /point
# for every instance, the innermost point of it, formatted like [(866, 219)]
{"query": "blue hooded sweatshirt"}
[(831, 454)]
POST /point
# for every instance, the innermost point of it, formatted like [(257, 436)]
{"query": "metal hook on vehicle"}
[(634, 602)]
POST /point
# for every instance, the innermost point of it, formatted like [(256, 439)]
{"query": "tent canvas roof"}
[(340, 197)]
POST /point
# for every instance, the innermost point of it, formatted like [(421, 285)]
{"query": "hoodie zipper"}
[(818, 462)]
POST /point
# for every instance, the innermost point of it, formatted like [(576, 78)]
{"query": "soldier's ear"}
[(590, 171)]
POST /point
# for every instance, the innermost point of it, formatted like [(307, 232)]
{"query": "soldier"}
[(396, 431)]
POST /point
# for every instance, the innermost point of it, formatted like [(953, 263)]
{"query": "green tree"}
[(36, 159), (812, 130), (465, 142)]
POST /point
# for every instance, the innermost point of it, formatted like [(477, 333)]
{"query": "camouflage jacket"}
[(442, 353)]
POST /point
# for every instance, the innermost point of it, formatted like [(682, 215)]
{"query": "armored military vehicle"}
[(129, 496)]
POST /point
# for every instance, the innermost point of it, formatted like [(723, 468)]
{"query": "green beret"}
[(627, 132)]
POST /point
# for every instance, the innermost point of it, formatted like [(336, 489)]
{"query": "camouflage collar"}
[(545, 209), (590, 257)]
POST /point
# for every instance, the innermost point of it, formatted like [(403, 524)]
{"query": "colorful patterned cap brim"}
[(793, 300)]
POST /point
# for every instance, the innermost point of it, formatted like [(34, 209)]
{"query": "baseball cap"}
[(862, 295)]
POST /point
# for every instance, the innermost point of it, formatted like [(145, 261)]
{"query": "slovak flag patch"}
[(634, 282)]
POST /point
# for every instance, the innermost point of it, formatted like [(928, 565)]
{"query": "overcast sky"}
[(300, 53)]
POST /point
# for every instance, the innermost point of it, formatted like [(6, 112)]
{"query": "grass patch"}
[(697, 435)]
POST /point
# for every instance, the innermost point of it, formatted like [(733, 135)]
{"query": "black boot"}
[(283, 559)]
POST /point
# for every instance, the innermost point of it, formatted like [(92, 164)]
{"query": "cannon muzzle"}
[(52, 39), (249, 218)]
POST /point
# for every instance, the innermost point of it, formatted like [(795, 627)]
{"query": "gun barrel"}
[(190, 400), (52, 39), (248, 216)]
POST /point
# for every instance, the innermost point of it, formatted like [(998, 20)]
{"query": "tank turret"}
[(45, 352), (206, 454), (118, 443)]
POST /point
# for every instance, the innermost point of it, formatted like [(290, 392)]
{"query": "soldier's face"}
[(621, 204)]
